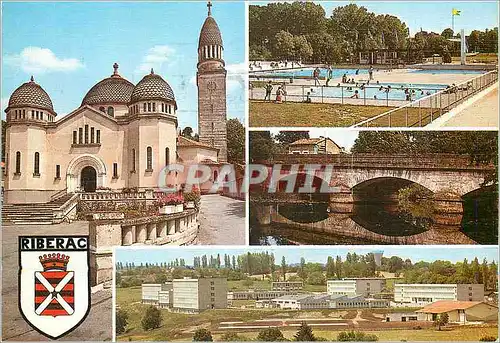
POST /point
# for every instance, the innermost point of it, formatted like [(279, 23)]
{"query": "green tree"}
[(188, 133), (287, 137), (261, 145), (441, 320), (316, 278), (304, 333), (302, 49), (151, 319), (270, 335), (284, 47), (233, 337), (356, 336), (121, 321), (283, 267), (235, 141), (330, 267), (202, 335), (447, 33)]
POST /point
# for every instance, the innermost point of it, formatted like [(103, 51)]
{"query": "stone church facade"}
[(121, 136)]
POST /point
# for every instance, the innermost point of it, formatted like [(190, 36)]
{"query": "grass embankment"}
[(269, 114)]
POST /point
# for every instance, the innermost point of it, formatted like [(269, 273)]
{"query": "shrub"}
[(304, 333), (194, 196), (202, 335), (487, 339), (121, 321), (151, 319), (170, 199), (356, 336), (270, 335), (233, 337)]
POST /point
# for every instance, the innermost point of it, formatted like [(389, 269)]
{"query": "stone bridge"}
[(369, 178)]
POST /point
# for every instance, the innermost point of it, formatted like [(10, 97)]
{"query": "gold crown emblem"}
[(54, 261)]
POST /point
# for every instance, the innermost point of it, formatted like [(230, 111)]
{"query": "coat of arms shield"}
[(54, 282)]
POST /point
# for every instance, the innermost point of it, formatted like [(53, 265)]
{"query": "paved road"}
[(97, 326), (482, 113), (222, 221)]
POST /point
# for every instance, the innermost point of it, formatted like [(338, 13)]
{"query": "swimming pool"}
[(307, 72), (447, 71), (397, 91)]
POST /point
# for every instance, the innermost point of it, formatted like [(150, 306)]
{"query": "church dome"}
[(152, 87), (114, 89), (210, 33), (31, 94)]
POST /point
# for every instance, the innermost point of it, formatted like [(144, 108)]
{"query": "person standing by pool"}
[(355, 95), (370, 72), (279, 93), (329, 75), (344, 78), (269, 90), (316, 77)]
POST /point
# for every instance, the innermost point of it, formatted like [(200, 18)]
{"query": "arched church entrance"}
[(86, 173), (88, 179)]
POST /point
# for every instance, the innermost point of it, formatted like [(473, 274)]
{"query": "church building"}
[(121, 136)]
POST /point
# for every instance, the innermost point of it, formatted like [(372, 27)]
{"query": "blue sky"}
[(69, 47), (432, 15), (427, 253)]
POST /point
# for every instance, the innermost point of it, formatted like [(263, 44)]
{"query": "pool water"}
[(397, 91), (307, 72)]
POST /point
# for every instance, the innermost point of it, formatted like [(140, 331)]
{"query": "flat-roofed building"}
[(302, 301), (404, 317), (356, 286), (423, 294), (287, 285), (151, 291), (256, 294), (195, 295), (357, 301)]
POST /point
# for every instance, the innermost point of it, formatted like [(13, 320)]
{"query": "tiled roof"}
[(31, 94), (183, 141), (307, 141), (210, 33), (152, 87), (114, 89), (442, 306)]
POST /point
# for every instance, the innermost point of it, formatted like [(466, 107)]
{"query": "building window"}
[(162, 107), (74, 137), (102, 109), (154, 106), (115, 170), (111, 111), (92, 134), (133, 160), (167, 156), (149, 158), (215, 175), (41, 115), (32, 114), (98, 137), (18, 162), (80, 135), (149, 107), (144, 107), (36, 168), (58, 171), (86, 134)]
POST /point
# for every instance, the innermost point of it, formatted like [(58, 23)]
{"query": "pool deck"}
[(481, 112)]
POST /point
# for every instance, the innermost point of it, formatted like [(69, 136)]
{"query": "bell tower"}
[(211, 82)]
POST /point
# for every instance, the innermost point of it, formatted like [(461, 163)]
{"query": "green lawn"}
[(268, 114), (241, 286)]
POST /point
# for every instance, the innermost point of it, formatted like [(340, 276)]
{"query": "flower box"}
[(179, 208), (168, 209), (189, 204)]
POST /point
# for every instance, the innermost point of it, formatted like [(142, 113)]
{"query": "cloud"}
[(155, 58), (38, 60), (236, 76)]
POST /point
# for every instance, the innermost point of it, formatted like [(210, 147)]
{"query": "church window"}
[(32, 114), (24, 113), (86, 134), (92, 135), (162, 107), (58, 171), (111, 111), (37, 164), (80, 135), (212, 127), (115, 170), (170, 109), (133, 160), (16, 114), (98, 137), (167, 156), (149, 158), (154, 106), (18, 162), (74, 137), (102, 109), (41, 115), (149, 107), (144, 107), (215, 175), (36, 115)]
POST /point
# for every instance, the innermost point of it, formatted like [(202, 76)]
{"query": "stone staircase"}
[(32, 214)]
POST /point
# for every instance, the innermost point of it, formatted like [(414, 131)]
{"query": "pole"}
[(453, 22)]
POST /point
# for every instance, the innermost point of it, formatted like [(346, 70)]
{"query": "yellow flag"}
[(455, 12)]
